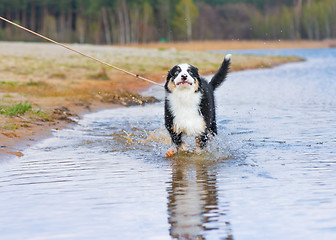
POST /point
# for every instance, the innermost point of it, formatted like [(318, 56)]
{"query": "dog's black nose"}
[(184, 77)]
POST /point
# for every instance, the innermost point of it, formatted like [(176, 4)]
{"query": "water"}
[(270, 173)]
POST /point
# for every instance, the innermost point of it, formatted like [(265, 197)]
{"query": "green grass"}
[(35, 84), (11, 127), (22, 108), (42, 115), (10, 84), (16, 109)]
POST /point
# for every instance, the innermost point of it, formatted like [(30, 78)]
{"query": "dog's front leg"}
[(201, 141), (176, 141)]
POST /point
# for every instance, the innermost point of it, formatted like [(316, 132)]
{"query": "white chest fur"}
[(185, 108)]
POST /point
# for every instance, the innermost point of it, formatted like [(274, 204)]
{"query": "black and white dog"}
[(190, 104)]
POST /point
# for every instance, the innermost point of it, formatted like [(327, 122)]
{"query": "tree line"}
[(139, 21)]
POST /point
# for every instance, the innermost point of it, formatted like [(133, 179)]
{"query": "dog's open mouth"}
[(183, 83)]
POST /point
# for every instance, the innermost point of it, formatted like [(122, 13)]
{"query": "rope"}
[(80, 53)]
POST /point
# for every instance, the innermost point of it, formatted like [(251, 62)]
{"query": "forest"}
[(141, 21)]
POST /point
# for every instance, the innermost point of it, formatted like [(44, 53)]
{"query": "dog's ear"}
[(194, 71), (170, 85), (171, 72)]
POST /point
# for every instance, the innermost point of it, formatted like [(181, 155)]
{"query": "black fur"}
[(207, 104)]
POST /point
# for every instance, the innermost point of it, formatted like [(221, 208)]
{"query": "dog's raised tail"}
[(220, 76)]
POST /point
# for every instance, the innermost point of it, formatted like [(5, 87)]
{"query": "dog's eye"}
[(176, 73)]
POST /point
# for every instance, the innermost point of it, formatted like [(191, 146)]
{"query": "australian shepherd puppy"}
[(190, 104)]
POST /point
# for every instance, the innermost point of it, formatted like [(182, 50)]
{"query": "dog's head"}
[(183, 77)]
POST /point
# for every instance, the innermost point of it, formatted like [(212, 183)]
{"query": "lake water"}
[(269, 174)]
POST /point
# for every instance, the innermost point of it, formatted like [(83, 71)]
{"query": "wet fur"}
[(190, 108)]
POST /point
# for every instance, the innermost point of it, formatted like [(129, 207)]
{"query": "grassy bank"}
[(42, 85)]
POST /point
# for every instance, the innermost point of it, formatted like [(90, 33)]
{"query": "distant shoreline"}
[(237, 45)]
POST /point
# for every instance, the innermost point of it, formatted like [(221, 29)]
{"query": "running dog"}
[(190, 105)]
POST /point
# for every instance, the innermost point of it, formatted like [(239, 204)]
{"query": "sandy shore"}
[(59, 85)]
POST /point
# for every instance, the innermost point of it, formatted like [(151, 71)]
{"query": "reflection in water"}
[(193, 199)]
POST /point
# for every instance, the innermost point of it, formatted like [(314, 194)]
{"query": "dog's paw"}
[(170, 152)]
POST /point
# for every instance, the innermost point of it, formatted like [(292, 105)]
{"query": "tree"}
[(125, 21), (186, 13)]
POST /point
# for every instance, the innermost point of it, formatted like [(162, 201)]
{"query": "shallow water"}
[(269, 174)]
